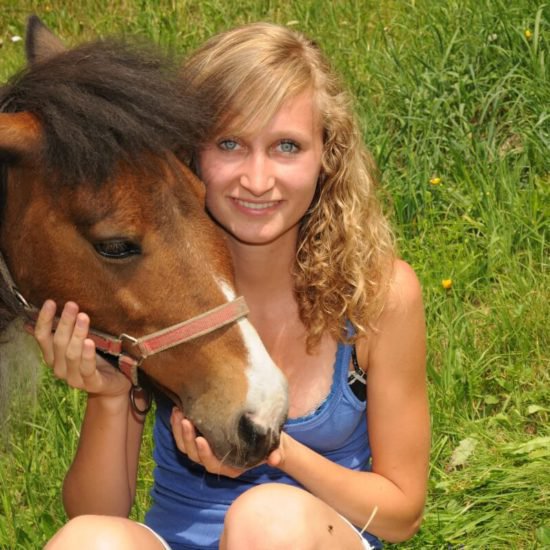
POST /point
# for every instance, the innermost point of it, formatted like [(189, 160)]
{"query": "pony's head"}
[(97, 206)]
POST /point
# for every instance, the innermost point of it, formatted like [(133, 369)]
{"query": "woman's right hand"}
[(72, 355)]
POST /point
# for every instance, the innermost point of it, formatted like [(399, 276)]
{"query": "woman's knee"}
[(90, 532), (270, 516)]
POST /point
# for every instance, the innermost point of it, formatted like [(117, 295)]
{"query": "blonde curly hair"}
[(345, 248)]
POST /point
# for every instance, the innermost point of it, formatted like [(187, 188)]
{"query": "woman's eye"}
[(288, 146), (117, 249), (228, 144)]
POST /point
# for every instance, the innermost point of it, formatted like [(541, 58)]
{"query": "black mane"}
[(105, 101), (98, 104)]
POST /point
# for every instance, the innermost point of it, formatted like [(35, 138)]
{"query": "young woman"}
[(288, 179)]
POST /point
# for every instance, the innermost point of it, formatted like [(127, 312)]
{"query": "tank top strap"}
[(343, 358), (341, 365)]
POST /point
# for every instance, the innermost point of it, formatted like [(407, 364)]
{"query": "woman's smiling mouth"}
[(259, 206)]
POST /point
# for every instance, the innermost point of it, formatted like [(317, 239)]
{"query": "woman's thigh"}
[(104, 532), (275, 516)]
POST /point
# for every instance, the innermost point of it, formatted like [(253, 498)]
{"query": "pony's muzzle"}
[(257, 439)]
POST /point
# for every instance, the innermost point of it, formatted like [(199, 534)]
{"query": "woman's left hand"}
[(198, 450)]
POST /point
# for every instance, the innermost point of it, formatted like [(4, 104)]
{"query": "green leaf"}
[(533, 409), (491, 399), (542, 443), (543, 534)]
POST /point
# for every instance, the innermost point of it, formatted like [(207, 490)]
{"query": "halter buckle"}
[(132, 343), (21, 299), (127, 338)]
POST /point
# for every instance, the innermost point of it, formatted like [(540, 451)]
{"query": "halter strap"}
[(132, 351)]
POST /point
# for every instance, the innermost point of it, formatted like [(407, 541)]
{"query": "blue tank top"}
[(189, 504)]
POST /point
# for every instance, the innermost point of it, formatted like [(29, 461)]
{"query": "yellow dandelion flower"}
[(435, 181), (528, 34), (447, 283)]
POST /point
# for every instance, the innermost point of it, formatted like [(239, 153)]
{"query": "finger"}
[(73, 353), (275, 458), (93, 380), (206, 455), (81, 369), (189, 436), (176, 421), (177, 415), (62, 337), (88, 365), (211, 462), (43, 330)]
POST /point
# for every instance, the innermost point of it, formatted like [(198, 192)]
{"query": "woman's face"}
[(259, 186)]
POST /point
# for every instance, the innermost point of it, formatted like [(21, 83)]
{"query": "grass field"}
[(454, 100)]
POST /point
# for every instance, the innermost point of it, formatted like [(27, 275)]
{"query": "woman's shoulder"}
[(404, 290), (402, 309)]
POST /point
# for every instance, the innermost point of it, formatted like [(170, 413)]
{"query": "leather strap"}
[(132, 351)]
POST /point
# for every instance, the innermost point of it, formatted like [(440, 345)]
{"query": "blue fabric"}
[(189, 504)]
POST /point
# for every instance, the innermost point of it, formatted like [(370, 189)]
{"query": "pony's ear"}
[(20, 135), (40, 42)]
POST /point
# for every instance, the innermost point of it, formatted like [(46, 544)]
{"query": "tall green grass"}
[(454, 100)]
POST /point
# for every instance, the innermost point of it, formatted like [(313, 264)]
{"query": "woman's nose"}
[(258, 175)]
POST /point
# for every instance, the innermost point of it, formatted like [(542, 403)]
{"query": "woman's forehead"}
[(247, 121)]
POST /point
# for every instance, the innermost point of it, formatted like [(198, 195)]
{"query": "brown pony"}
[(96, 206)]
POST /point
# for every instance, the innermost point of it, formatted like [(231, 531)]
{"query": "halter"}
[(131, 351)]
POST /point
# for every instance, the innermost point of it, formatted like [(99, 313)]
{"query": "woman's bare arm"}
[(102, 476)]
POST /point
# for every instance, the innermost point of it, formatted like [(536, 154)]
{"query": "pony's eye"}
[(117, 249)]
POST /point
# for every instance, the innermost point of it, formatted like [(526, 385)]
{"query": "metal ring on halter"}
[(149, 400), (21, 299)]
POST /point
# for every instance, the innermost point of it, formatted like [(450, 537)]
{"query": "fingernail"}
[(80, 322), (69, 308)]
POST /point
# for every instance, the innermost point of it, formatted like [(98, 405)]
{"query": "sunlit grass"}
[(454, 99)]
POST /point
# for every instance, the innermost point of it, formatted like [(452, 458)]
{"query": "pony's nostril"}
[(258, 439), (251, 432)]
